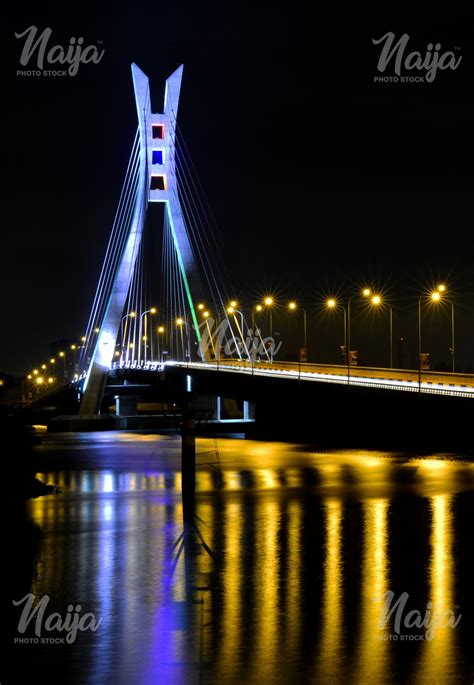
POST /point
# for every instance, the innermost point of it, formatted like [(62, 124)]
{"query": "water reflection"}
[(373, 651), (280, 578), (439, 656), (331, 647)]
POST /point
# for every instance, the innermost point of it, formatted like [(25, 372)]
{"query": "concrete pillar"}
[(246, 410), (126, 406), (188, 460)]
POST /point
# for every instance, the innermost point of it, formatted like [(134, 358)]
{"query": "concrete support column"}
[(126, 406), (188, 459)]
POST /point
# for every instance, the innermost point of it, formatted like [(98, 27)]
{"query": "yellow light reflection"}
[(438, 658), (373, 648), (228, 667), (266, 609), (329, 658)]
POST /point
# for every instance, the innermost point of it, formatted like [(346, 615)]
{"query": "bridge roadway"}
[(451, 384)]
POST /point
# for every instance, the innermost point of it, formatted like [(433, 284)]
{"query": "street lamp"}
[(438, 296), (292, 306), (63, 357), (53, 362), (180, 322), (74, 349), (332, 303), (268, 301), (376, 300), (206, 316), (130, 315), (366, 292), (152, 310), (232, 310), (160, 330)]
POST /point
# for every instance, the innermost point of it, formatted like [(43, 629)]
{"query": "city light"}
[(39, 380), (205, 314), (61, 354), (161, 329), (436, 296), (259, 307), (292, 305), (50, 380), (200, 306), (73, 347), (268, 301), (179, 322), (153, 310), (376, 299), (366, 292), (441, 288), (331, 303), (230, 310)]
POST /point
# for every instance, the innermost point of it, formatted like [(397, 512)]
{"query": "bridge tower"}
[(156, 182)]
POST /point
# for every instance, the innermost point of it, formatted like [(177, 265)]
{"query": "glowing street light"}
[(180, 322), (268, 301), (39, 380), (151, 311), (332, 303), (376, 300), (292, 306), (365, 292), (232, 310), (130, 315), (437, 296)]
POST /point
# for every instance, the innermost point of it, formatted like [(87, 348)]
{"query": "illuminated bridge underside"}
[(454, 385)]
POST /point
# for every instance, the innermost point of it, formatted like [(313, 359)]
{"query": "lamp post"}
[(180, 322), (142, 336), (53, 362), (63, 357), (130, 315), (160, 330), (268, 301), (232, 310), (366, 292), (292, 306), (206, 316), (438, 296), (331, 303), (376, 300)]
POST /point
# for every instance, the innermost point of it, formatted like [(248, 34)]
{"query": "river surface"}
[(282, 577)]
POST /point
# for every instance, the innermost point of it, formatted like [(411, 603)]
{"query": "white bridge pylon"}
[(154, 181)]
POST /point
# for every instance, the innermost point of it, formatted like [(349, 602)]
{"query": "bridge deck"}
[(461, 385)]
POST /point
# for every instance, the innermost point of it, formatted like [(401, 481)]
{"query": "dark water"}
[(281, 580)]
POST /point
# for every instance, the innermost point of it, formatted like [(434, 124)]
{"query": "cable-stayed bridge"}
[(162, 300)]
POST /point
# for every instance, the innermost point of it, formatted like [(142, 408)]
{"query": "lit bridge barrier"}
[(450, 384)]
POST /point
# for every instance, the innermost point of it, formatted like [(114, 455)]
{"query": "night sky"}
[(317, 176)]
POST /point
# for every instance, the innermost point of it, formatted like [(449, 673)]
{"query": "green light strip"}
[(185, 278)]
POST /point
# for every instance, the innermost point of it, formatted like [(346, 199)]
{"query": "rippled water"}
[(282, 577)]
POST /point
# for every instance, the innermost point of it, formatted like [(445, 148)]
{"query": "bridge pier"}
[(188, 459), (126, 406)]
